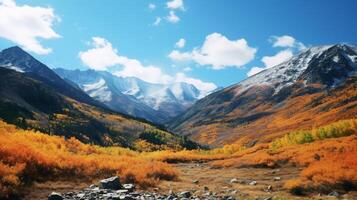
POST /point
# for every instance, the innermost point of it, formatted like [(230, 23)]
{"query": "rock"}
[(277, 178), (234, 180), (195, 181), (130, 187), (185, 194), (112, 183), (253, 183), (269, 188), (333, 194), (55, 196), (275, 171), (268, 198), (81, 195), (205, 188)]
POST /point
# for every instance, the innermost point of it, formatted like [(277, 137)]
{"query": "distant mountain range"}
[(154, 102), (315, 87), (35, 97)]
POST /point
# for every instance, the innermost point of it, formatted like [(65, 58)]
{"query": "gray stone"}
[(185, 194), (234, 180), (55, 196), (334, 194), (112, 183), (195, 181), (277, 178), (129, 187), (253, 183)]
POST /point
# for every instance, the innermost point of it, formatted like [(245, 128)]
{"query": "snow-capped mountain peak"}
[(295, 69), (163, 99)]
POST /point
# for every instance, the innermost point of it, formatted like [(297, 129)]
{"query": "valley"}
[(288, 132)]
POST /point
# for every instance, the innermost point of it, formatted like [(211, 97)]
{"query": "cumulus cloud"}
[(172, 17), (175, 4), (286, 41), (218, 52), (280, 57), (103, 55), (290, 44), (25, 25), (255, 70), (271, 61), (181, 43), (152, 6), (157, 21)]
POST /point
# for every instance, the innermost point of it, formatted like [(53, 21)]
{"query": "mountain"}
[(315, 87), (32, 96), (17, 59), (154, 102)]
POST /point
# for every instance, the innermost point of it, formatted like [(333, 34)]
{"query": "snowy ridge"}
[(98, 90), (285, 73)]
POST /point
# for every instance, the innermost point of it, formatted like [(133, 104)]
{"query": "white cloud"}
[(271, 61), (25, 24), (172, 17), (157, 21), (181, 43), (187, 69), (286, 41), (152, 6), (204, 87), (219, 52), (255, 70), (175, 4), (102, 55), (280, 57)]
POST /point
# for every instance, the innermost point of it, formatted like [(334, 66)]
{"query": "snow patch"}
[(98, 90)]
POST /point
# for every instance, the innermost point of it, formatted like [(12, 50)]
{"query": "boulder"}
[(112, 183), (130, 187), (185, 194), (55, 196)]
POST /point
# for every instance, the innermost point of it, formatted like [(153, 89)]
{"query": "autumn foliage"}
[(27, 156), (329, 160)]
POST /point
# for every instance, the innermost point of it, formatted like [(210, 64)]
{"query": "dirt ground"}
[(195, 177)]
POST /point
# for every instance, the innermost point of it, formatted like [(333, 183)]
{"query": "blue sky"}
[(224, 40)]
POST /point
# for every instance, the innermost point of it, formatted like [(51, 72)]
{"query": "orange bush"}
[(27, 156)]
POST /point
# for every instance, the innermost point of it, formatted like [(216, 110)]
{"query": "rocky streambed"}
[(111, 189)]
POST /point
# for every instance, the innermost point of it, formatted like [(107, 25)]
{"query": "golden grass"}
[(27, 156)]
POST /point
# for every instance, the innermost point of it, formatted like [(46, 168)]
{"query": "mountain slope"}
[(17, 59), (154, 102), (38, 101), (314, 88)]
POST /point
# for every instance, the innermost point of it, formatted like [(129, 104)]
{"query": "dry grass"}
[(328, 162), (27, 156)]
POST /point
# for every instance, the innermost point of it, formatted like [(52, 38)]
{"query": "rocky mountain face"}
[(315, 87), (154, 102), (33, 96)]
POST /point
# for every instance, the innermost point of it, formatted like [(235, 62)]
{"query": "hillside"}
[(316, 87), (34, 97)]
